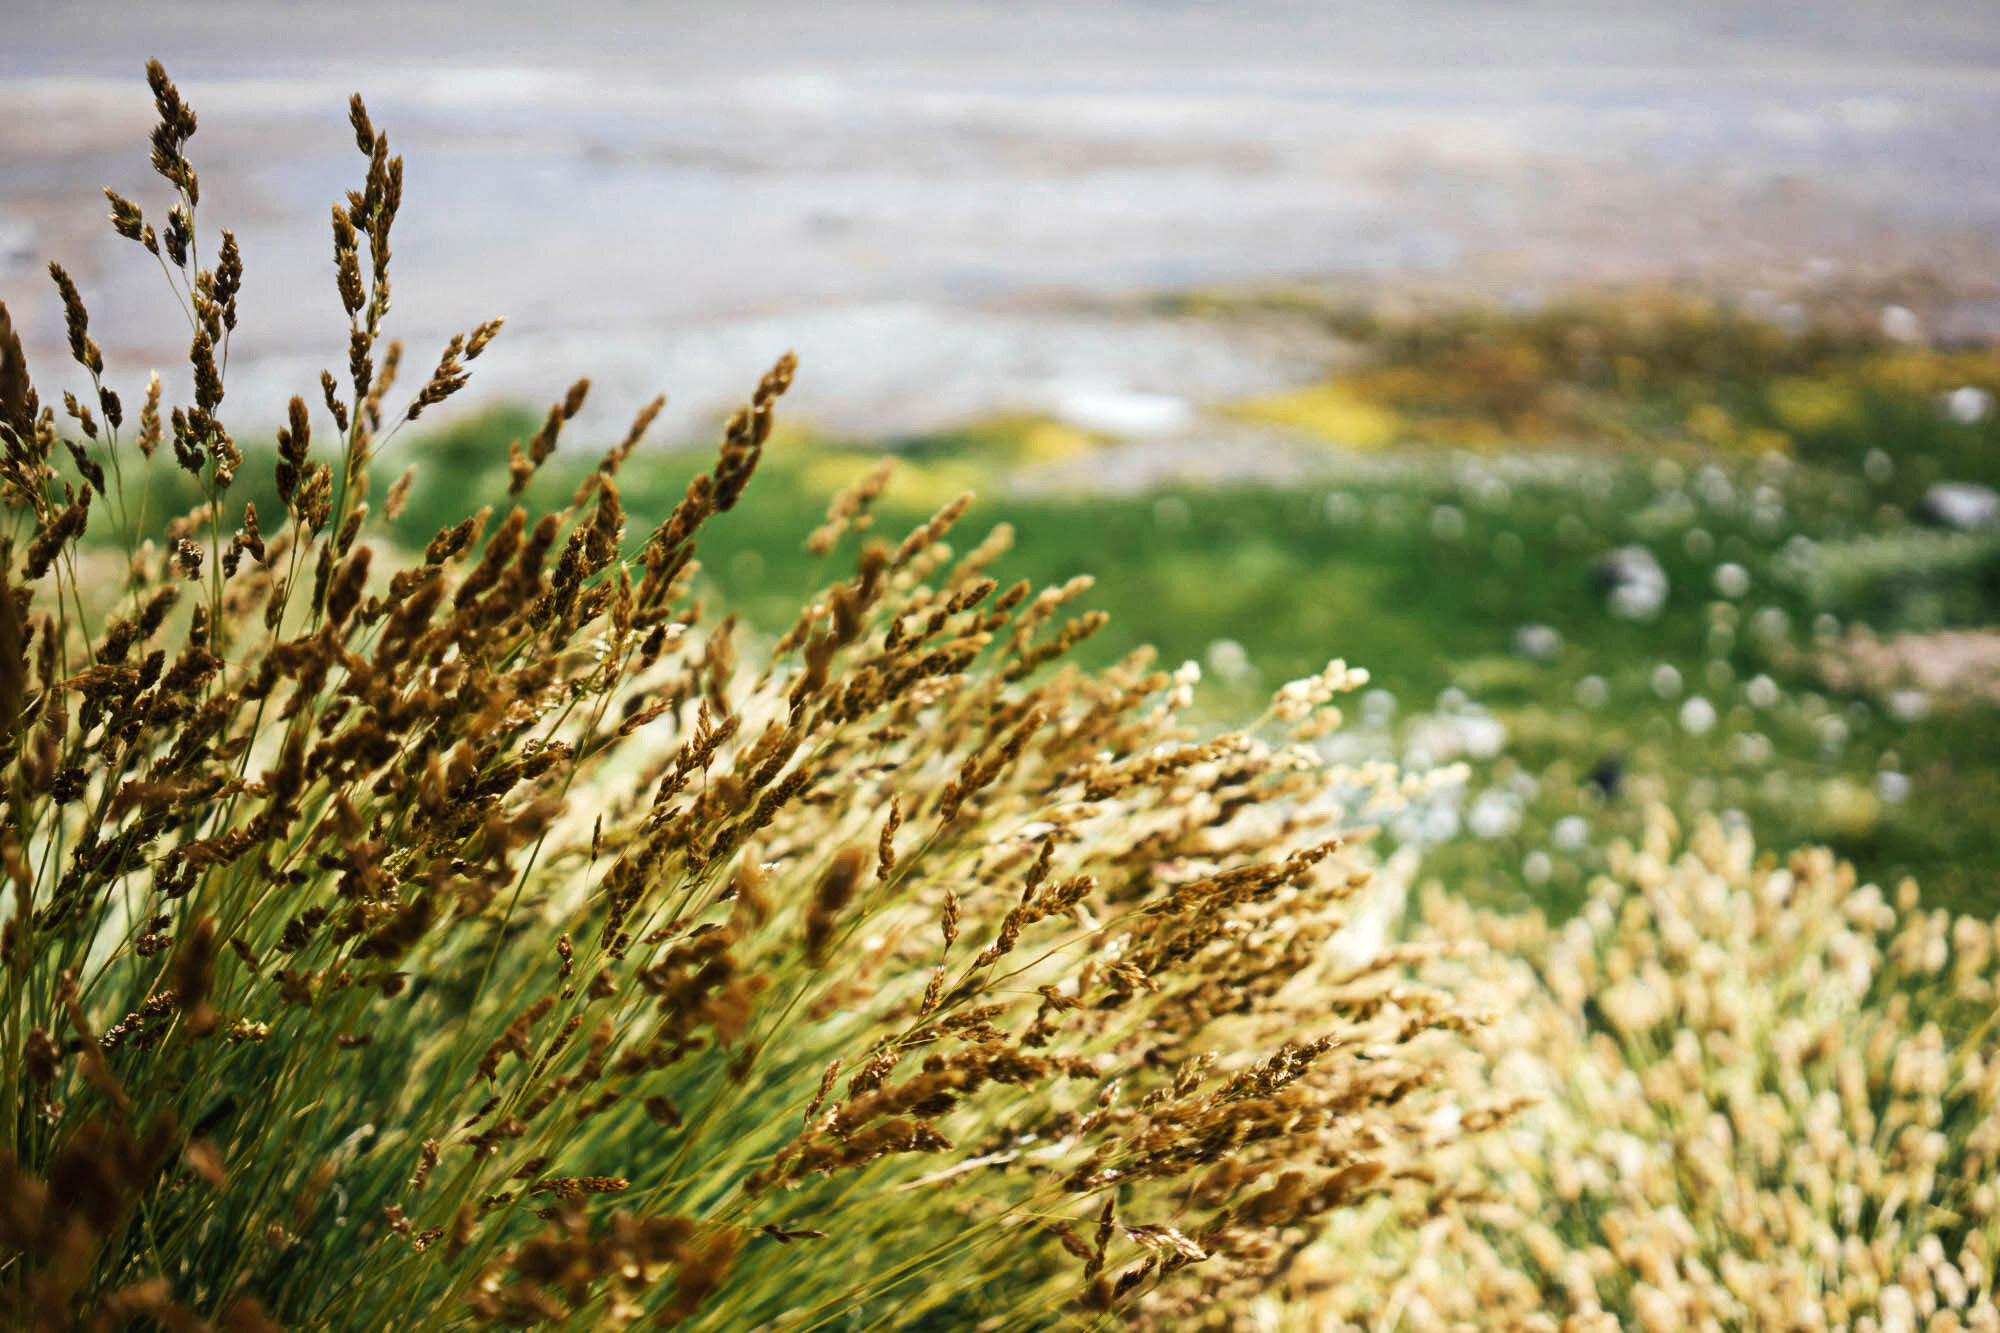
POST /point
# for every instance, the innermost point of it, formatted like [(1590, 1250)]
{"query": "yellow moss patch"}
[(1332, 411), (1812, 405), (1051, 442), (1924, 373), (914, 484), (1712, 425)]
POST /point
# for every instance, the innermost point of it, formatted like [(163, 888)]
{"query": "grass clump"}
[(1768, 1097), (472, 937)]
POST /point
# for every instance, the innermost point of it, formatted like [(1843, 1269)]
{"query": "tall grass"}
[(1768, 1096), (469, 936)]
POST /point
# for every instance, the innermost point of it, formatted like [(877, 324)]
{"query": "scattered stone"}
[(1633, 581), (1228, 660), (1494, 814), (1964, 506), (1968, 405), (1378, 708), (1732, 580), (1697, 716), (1570, 833), (1900, 324), (1538, 643), (1909, 705), (1122, 413), (1482, 736)]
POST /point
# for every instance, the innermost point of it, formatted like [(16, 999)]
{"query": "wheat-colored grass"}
[(479, 936)]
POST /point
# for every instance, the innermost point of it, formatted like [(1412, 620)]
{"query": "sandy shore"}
[(955, 210)]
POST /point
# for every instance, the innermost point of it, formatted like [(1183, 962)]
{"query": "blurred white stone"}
[(1697, 716), (1731, 579), (1969, 405), (1633, 581), (1378, 707), (1125, 413), (1771, 623), (1538, 643), (1962, 505), (1440, 824), (1909, 705), (1570, 833), (1666, 681), (1891, 787), (1482, 736), (1761, 691), (1228, 660), (1495, 813), (1714, 487), (1752, 749), (1900, 324)]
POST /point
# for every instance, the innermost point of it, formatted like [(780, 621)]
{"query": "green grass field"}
[(1776, 480)]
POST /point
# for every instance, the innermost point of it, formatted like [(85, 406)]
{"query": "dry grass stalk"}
[(469, 938)]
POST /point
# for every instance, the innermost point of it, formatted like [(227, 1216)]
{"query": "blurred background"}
[(1616, 382)]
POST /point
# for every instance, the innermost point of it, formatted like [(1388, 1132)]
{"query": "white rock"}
[(1228, 660), (1909, 705), (1697, 716), (1964, 505), (1538, 643), (1969, 405), (1900, 324), (1891, 787), (1495, 813), (1121, 412), (1482, 736), (1633, 581), (1570, 833)]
